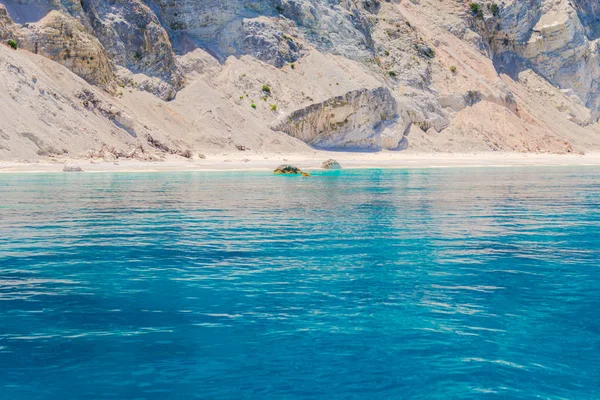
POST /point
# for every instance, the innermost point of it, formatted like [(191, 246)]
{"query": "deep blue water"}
[(459, 283)]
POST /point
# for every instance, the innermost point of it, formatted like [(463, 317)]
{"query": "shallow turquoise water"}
[(460, 283)]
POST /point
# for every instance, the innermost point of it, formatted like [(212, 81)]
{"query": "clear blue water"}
[(460, 283)]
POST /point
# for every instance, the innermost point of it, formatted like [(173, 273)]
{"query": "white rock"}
[(72, 168)]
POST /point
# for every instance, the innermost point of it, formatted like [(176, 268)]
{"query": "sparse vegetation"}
[(137, 56), (266, 89), (494, 9), (13, 44), (242, 97), (472, 97), (273, 107), (476, 9), (264, 98), (392, 73), (453, 69), (292, 65), (425, 50), (387, 53)]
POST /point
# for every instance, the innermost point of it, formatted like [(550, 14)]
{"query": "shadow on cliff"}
[(26, 13), (510, 63)]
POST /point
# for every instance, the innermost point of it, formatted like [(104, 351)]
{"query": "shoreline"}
[(310, 162)]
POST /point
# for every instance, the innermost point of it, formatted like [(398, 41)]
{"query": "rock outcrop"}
[(135, 39), (7, 26), (286, 169), (354, 120), (558, 39), (331, 164), (72, 168), (64, 39), (268, 27)]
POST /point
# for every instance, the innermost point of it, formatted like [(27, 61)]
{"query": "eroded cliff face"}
[(135, 39), (64, 39), (557, 39), (356, 119), (260, 28), (332, 74)]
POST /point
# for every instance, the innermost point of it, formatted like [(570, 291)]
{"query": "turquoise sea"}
[(369, 284)]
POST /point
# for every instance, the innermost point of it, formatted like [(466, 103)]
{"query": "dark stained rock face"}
[(287, 170)]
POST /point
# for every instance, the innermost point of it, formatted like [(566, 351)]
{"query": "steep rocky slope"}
[(145, 78)]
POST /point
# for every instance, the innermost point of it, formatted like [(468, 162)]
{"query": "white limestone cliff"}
[(183, 77)]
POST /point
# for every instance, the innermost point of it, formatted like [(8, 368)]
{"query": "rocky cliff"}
[(189, 76)]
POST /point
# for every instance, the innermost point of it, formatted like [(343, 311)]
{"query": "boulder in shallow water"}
[(288, 170), (331, 164), (72, 168)]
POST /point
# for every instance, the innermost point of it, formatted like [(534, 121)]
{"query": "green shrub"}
[(266, 89), (476, 9), (253, 106), (292, 65), (494, 9), (13, 44), (273, 107), (392, 74), (453, 69)]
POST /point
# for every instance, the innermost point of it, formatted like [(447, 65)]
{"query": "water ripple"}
[(355, 284)]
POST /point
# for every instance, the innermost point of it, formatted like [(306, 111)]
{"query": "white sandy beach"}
[(268, 162)]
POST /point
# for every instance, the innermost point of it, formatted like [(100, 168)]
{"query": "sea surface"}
[(368, 284)]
